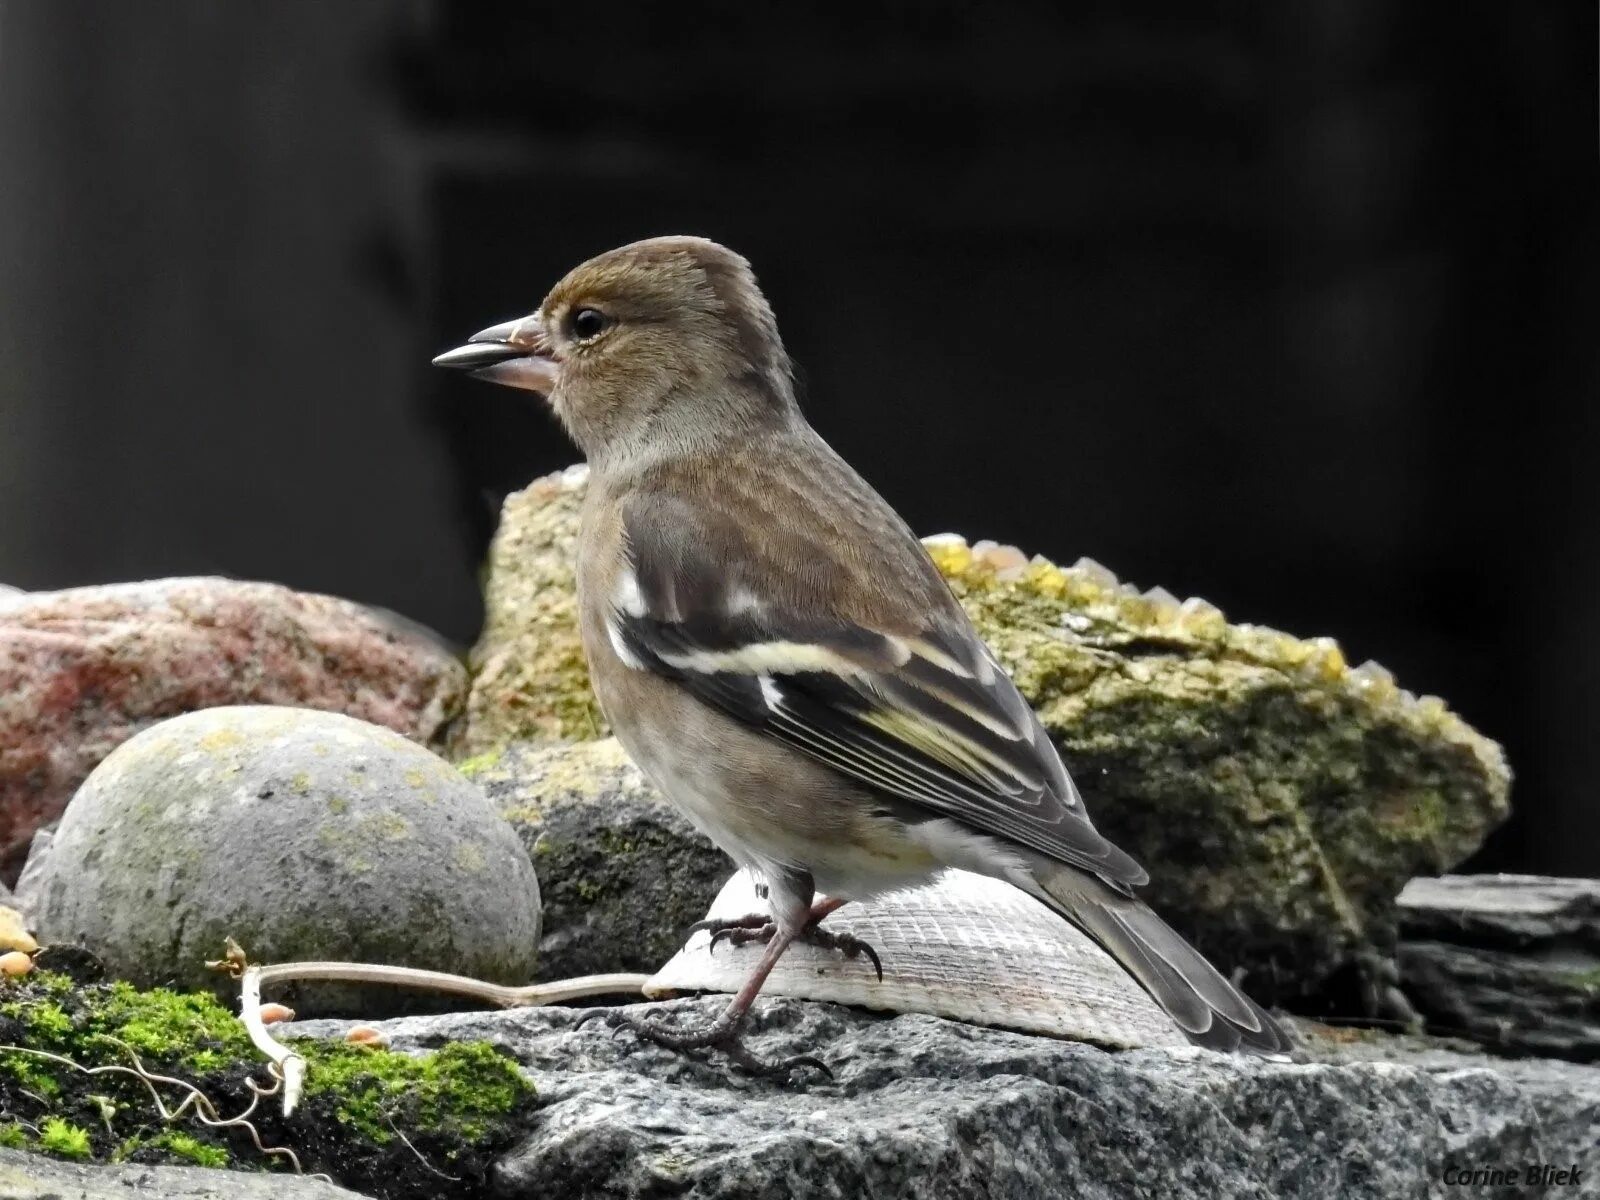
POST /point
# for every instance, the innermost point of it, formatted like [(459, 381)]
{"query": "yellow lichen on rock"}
[(530, 682), (1281, 796)]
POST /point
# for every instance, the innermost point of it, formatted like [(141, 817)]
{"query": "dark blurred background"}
[(1290, 305)]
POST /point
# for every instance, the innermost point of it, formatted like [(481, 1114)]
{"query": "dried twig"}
[(292, 1067), (204, 1110), (427, 1166)]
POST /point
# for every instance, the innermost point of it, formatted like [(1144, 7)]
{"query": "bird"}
[(777, 652)]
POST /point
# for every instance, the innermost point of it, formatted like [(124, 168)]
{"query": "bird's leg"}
[(758, 927), (723, 1032)]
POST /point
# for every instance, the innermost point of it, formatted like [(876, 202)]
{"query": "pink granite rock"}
[(83, 670)]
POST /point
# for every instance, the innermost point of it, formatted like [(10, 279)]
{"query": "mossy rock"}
[(1280, 797), (530, 681), (302, 834), (389, 1124), (624, 873)]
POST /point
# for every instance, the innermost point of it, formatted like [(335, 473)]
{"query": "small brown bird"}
[(778, 653)]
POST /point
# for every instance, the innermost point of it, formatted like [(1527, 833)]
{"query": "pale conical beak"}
[(515, 353)]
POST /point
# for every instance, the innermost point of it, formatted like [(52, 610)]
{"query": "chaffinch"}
[(778, 653)]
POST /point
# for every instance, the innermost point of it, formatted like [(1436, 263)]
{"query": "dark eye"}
[(589, 323)]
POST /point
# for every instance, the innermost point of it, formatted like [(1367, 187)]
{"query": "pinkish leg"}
[(792, 894)]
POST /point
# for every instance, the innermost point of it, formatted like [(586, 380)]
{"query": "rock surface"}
[(1283, 797), (624, 875), (530, 683), (83, 670), (25, 1176), (303, 835), (1511, 961), (927, 1108)]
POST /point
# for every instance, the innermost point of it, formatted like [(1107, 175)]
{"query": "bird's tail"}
[(1209, 1009)]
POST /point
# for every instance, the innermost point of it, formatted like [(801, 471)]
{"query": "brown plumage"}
[(775, 648)]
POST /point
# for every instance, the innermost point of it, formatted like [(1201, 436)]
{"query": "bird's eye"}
[(589, 323)]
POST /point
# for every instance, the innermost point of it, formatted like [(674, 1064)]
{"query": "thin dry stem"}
[(292, 1066), (204, 1110)]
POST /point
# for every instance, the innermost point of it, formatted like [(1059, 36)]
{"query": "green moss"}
[(173, 1143), (189, 1028), (47, 1024), (478, 763), (456, 1106), (190, 1033), (30, 1074), (62, 1139), (13, 1136), (459, 1091)]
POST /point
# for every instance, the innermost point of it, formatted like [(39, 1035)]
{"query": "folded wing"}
[(922, 715)]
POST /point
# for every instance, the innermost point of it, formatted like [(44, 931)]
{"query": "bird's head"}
[(662, 341)]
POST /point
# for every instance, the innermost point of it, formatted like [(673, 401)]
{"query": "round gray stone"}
[(301, 834)]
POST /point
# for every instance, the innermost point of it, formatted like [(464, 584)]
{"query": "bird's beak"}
[(515, 353)]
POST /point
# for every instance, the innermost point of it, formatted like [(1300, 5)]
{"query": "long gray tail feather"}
[(1210, 1010)]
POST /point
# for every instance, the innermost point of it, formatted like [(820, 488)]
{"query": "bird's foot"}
[(847, 944), (757, 927), (725, 926), (720, 1035)]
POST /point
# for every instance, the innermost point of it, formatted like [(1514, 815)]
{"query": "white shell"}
[(966, 947)]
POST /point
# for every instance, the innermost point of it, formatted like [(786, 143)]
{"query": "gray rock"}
[(302, 834), (624, 874), (26, 1176), (927, 1108), (33, 868), (1512, 961)]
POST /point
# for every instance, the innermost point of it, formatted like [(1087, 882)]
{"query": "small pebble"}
[(14, 934)]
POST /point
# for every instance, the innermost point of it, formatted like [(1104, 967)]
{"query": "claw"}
[(847, 944), (595, 1014), (864, 948), (738, 935), (725, 1039), (749, 921), (774, 1068), (737, 931)]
